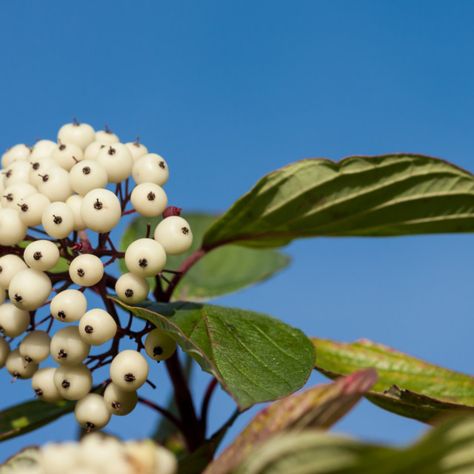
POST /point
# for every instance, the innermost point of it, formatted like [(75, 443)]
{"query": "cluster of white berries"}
[(96, 454), (60, 190)]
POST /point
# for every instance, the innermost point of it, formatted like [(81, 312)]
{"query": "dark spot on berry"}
[(62, 146), (61, 315), (39, 392), (151, 196), (62, 354), (143, 262), (98, 205), (57, 219), (112, 150), (16, 374), (1, 269), (28, 359), (23, 207), (8, 173), (65, 384), (157, 350), (115, 405), (129, 378), (44, 177), (18, 298), (185, 230), (81, 272), (89, 426), (9, 197), (35, 166), (89, 329), (128, 292), (1, 329), (162, 165), (86, 170), (37, 255)]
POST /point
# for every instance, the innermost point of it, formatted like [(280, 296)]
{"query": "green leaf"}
[(407, 386), (358, 196), (446, 449), (28, 416), (223, 271), (255, 358), (318, 407)]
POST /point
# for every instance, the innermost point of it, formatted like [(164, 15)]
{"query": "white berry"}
[(86, 270), (29, 289), (67, 155), (129, 370), (117, 161), (101, 210), (67, 346), (12, 229), (88, 175), (35, 346), (13, 320), (44, 386), (55, 184), (107, 137), (145, 257), (39, 167), (17, 173), (81, 134), (42, 149), (74, 203), (68, 306), (97, 326), (73, 382), (15, 153), (159, 346), (58, 220), (91, 412), (41, 255), (12, 195), (32, 208), (92, 150), (19, 367), (119, 402), (136, 149), (150, 168), (10, 265), (149, 199), (174, 234), (132, 288)]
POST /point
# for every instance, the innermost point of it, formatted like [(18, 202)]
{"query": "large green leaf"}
[(406, 385), (359, 196), (28, 416), (318, 407), (256, 358), (447, 449), (222, 271)]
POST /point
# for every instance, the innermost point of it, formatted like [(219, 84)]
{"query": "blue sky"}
[(227, 91)]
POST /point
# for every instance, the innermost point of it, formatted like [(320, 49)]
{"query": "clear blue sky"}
[(228, 91)]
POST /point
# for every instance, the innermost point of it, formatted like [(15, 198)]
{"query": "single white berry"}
[(17, 172), (149, 199), (174, 234), (159, 346), (107, 137), (101, 210), (41, 255), (132, 288), (129, 370), (117, 161), (81, 134), (10, 265), (120, 402), (150, 168), (35, 346), (74, 202), (12, 195), (43, 385), (42, 149), (73, 382), (58, 220), (88, 175), (67, 346), (13, 320), (56, 458), (15, 153), (12, 229), (86, 270), (4, 351), (29, 289), (145, 257), (19, 367), (67, 155), (55, 184), (92, 150), (39, 167), (136, 149), (68, 306), (32, 208), (97, 326), (91, 412)]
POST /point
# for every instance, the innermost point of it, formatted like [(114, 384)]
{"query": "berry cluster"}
[(55, 196)]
